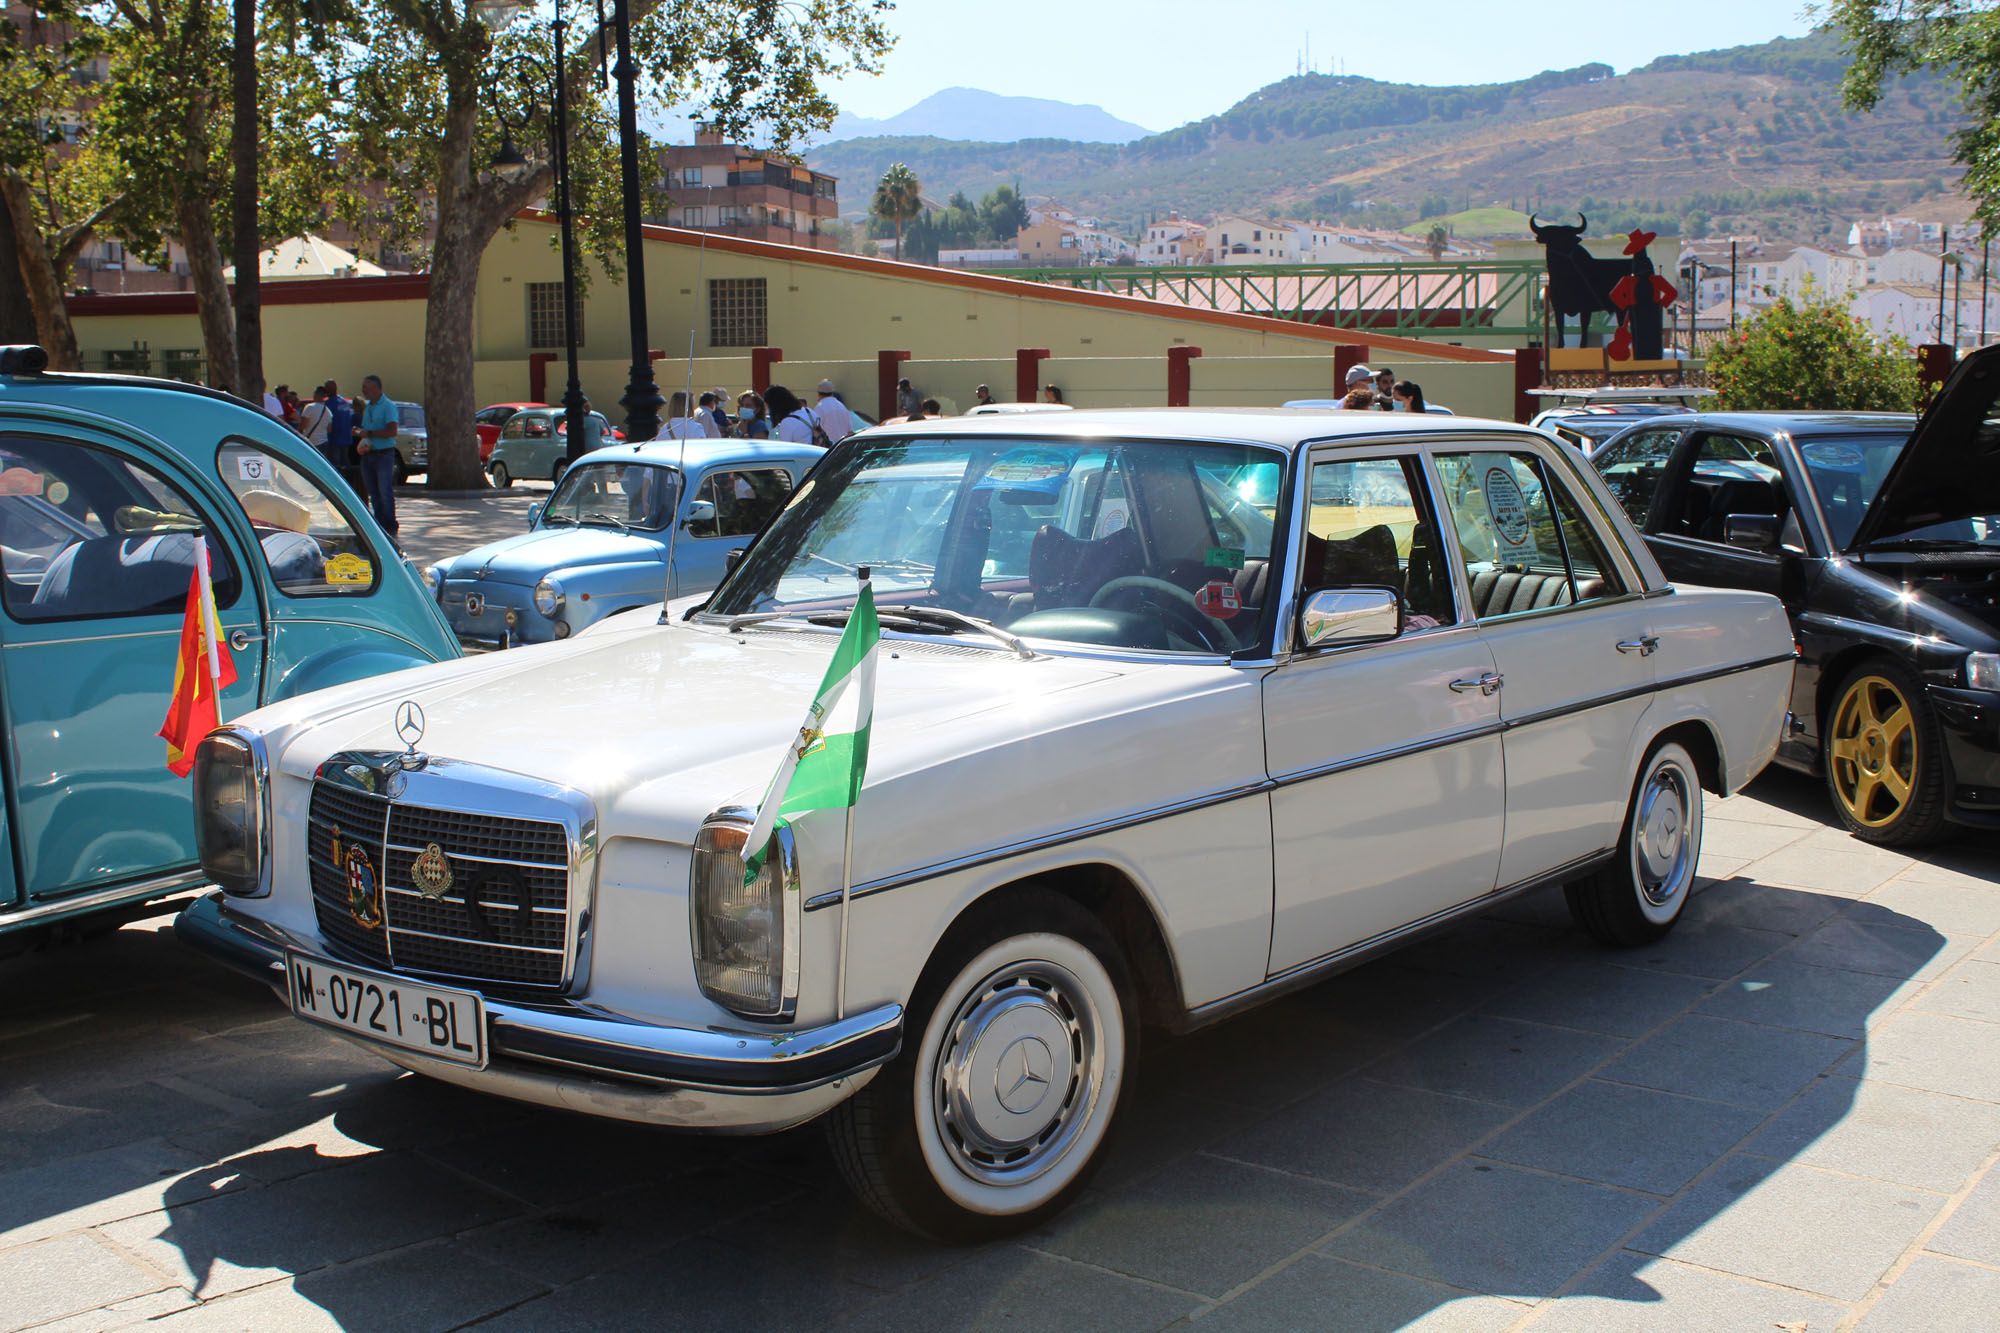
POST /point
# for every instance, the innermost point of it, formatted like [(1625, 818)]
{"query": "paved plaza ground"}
[(1785, 1116)]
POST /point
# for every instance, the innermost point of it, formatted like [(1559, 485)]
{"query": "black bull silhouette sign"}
[(1627, 289)]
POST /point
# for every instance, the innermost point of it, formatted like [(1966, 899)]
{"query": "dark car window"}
[(1846, 471), (1631, 467), (1726, 475), (744, 501), (87, 533)]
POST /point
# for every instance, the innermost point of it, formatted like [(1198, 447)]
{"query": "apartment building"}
[(1174, 240), (739, 191)]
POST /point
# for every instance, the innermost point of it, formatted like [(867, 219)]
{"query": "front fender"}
[(345, 665), (609, 588)]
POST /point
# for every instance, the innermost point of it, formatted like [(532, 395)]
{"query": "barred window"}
[(736, 312), (545, 315)]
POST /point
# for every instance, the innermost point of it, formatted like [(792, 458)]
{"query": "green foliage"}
[(46, 139), (898, 198), (1959, 39), (1811, 355)]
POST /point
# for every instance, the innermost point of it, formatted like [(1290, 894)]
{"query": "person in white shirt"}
[(316, 421), (835, 421), (681, 425), (273, 407), (791, 420)]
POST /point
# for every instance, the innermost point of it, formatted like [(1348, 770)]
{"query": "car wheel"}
[(1884, 756), (500, 476), (555, 473), (996, 1112), (1637, 896)]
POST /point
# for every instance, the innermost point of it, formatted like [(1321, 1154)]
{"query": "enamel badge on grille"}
[(431, 872), (364, 891)]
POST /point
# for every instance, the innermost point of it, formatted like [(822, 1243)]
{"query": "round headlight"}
[(548, 597), (433, 576)]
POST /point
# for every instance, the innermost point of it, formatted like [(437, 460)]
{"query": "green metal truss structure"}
[(1492, 298)]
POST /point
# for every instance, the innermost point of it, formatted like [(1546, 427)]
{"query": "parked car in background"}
[(1885, 548), (488, 421), (108, 487), (607, 540), (1171, 760), (534, 444), (1587, 418), (413, 441)]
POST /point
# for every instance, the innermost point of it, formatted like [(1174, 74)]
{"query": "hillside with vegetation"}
[(1747, 139)]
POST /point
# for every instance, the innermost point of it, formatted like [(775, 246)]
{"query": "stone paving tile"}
[(1641, 1292), (1321, 1292), (215, 1243), (1741, 1063), (1601, 997), (1494, 1059), (427, 1287), (1543, 907), (1826, 867), (65, 1276), (1937, 1296), (1971, 989), (1866, 946), (1157, 1128), (595, 1235), (1931, 1051), (1493, 1229), (1698, 948), (35, 1129), (1364, 1134), (1013, 1288), (1744, 902), (1885, 1132), (1743, 840), (1973, 1229), (1835, 1001), (71, 1193), (698, 1284), (1387, 1002), (123, 1314), (514, 1158), (1746, 1219), (1487, 947), (1204, 1227), (1959, 906), (1619, 1135), (851, 1243)]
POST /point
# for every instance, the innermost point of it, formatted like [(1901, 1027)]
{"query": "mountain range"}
[(969, 113), (1745, 139)]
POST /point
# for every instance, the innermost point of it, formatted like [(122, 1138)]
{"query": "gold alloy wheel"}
[(1873, 752)]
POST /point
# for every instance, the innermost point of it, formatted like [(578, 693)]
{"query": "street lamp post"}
[(510, 162), (642, 395)]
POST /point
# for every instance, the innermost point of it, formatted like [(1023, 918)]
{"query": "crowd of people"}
[(1381, 391), (356, 435)]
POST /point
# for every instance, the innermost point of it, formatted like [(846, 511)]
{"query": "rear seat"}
[(1500, 592)]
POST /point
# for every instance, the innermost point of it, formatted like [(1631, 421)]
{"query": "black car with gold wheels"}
[(1881, 534)]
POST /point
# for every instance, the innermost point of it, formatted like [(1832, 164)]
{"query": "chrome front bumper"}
[(566, 1055)]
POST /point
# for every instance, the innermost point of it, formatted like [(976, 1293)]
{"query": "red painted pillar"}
[(1028, 372), (538, 375), (1180, 376), (761, 361), (888, 369), (1346, 356), (1527, 375)]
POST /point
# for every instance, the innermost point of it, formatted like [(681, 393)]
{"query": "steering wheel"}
[(1180, 603)]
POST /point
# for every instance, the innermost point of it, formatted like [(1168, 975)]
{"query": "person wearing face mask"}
[(750, 423), (1410, 397)]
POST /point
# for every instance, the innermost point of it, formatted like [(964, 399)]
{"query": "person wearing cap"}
[(981, 396), (1358, 377), (835, 421)]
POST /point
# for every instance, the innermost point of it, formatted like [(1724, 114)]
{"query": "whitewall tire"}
[(1638, 896)]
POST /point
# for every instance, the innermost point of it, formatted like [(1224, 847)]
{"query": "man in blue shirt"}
[(375, 444)]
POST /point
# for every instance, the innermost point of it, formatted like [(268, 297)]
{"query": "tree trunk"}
[(38, 274), (249, 377), (211, 294), (17, 312)]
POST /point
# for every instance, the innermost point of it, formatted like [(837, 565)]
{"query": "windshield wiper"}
[(623, 526), (553, 519), (943, 617)]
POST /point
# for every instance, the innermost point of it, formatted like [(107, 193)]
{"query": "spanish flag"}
[(202, 671)]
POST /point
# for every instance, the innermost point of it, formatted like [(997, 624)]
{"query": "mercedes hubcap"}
[(1020, 1071), (1662, 851)]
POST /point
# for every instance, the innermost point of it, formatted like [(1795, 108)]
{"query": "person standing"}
[(791, 420), (1052, 393), (376, 449), (835, 421), (981, 396), (274, 407), (340, 435), (1358, 377), (908, 403), (751, 424), (1385, 387), (711, 416), (593, 429), (683, 425), (316, 422), (1410, 397), (721, 412)]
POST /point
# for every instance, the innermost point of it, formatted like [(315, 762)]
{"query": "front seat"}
[(1066, 571), (102, 575)]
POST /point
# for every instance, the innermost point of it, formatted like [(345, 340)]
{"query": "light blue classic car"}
[(108, 486), (620, 532)]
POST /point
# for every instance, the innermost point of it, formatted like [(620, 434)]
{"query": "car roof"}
[(1280, 427), (1791, 423), (698, 454)]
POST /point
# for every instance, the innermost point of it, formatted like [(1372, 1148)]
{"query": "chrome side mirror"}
[(1336, 617), (698, 511), (535, 515)]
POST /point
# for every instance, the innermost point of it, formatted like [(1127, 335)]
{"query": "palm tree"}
[(898, 198)]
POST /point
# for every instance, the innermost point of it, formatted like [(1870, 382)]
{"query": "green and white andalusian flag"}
[(822, 770)]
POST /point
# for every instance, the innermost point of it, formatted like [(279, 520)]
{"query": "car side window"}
[(744, 501), (305, 534), (86, 533), (1369, 523), (1526, 541), (1632, 467), (1726, 475)]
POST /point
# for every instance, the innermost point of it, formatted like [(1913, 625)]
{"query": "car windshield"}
[(410, 416), (626, 496), (1148, 545), (1847, 470)]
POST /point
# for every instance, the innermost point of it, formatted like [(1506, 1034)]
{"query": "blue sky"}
[(1167, 62)]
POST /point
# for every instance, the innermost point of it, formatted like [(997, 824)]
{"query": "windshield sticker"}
[(348, 567), (253, 467), (1513, 532), (1029, 467), (1224, 557), (1218, 600), (1828, 454), (21, 481)]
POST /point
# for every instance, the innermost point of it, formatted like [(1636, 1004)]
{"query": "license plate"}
[(445, 1024)]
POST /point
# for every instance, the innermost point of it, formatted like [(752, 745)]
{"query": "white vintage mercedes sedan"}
[(1174, 711)]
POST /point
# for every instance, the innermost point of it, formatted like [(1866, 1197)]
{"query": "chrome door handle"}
[(1644, 645), (239, 639), (1489, 683)]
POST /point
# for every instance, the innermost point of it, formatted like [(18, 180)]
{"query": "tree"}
[(1003, 213), (898, 198), (1812, 355), (1904, 36), (415, 116), (1437, 240)]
